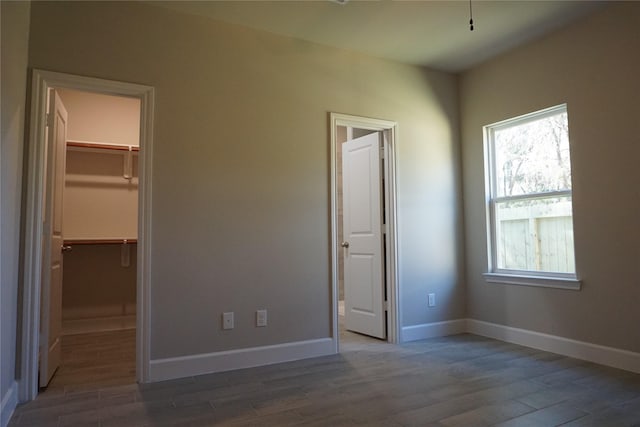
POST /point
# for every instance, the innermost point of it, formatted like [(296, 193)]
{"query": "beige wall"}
[(99, 203), (593, 66), (241, 167), (102, 118), (96, 284), (14, 41)]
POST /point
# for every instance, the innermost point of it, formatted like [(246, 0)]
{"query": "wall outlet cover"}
[(432, 300), (261, 318), (227, 320)]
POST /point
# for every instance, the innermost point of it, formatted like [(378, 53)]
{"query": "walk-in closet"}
[(97, 314)]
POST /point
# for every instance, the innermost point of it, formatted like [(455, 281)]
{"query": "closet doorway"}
[(363, 229), (86, 271), (89, 305)]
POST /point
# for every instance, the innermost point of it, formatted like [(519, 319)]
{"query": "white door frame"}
[(389, 130), (42, 81)]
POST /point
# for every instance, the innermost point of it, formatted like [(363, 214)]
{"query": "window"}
[(529, 200)]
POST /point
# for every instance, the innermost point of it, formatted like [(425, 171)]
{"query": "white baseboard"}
[(8, 404), (178, 367), (603, 355), (432, 330), (184, 366)]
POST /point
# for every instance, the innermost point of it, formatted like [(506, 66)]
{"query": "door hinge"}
[(382, 152), (385, 305), (49, 119)]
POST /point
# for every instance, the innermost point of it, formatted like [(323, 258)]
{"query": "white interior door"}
[(51, 303), (362, 235)]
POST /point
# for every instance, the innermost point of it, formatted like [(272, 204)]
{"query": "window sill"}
[(537, 281)]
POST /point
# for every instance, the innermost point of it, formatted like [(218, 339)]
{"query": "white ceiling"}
[(430, 33)]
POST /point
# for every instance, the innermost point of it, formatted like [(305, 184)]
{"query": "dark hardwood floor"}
[(462, 380)]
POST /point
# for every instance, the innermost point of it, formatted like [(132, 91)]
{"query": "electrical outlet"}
[(432, 300), (227, 320), (261, 318)]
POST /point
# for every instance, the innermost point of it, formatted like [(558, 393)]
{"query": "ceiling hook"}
[(470, 16)]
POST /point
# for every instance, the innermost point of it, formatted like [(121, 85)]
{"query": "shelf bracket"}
[(128, 164)]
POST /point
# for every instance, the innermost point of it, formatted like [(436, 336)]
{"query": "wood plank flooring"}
[(462, 380)]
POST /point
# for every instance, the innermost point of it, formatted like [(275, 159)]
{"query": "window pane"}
[(535, 235), (532, 157)]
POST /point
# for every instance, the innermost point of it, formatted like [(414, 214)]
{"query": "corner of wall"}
[(603, 355), (600, 354), (432, 330), (15, 17), (8, 404)]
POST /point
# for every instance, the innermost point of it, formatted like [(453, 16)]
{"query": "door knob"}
[(65, 248), (345, 244)]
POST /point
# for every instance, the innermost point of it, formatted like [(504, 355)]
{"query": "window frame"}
[(514, 276)]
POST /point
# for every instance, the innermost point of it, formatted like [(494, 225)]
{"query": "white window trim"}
[(543, 281), (518, 277)]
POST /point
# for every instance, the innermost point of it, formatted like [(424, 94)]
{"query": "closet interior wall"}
[(100, 211)]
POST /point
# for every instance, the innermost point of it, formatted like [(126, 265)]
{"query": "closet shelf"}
[(101, 146), (127, 152), (71, 242)]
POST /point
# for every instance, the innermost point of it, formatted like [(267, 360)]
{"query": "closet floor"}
[(95, 360)]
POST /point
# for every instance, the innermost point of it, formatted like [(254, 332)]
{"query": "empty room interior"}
[(320, 213)]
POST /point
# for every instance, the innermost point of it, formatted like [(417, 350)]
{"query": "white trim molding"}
[(610, 356), (198, 364), (539, 281), (603, 355), (432, 330), (42, 81), (8, 404)]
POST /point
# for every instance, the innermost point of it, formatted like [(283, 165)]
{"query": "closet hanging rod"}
[(71, 242), (100, 145)]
